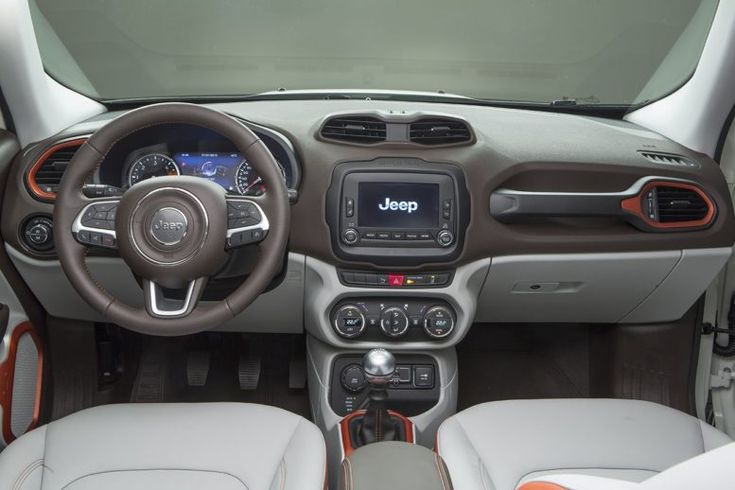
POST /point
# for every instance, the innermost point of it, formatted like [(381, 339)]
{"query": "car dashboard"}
[(491, 215)]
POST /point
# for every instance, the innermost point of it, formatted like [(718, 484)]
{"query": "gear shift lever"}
[(379, 365)]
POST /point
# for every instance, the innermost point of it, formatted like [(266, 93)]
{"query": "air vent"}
[(355, 129), (668, 159), (678, 205), (439, 131), (45, 175)]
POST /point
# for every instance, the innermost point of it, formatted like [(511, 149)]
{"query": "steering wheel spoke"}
[(94, 226), (159, 305), (247, 223)]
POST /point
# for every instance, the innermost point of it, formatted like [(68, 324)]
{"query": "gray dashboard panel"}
[(50, 285)]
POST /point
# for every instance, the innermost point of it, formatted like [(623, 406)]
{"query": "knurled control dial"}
[(394, 322), (438, 322), (38, 234), (349, 321)]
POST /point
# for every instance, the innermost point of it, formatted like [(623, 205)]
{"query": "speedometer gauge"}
[(248, 182), (151, 165)]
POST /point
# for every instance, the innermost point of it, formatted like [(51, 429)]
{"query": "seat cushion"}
[(498, 445), (218, 446)]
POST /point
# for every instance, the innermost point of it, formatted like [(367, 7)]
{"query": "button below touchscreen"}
[(398, 205)]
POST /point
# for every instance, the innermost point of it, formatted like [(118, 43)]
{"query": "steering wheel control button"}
[(438, 322), (350, 236), (394, 322), (95, 226), (353, 378), (169, 226), (38, 234), (349, 322), (241, 214)]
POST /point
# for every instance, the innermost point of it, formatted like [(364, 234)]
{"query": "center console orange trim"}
[(7, 374)]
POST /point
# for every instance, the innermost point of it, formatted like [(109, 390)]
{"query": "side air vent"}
[(678, 205), (439, 131), (355, 129), (668, 159), (45, 175)]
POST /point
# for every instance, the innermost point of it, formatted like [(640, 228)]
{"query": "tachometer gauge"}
[(152, 165)]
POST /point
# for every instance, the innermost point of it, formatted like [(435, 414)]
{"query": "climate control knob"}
[(349, 321), (438, 322), (394, 322)]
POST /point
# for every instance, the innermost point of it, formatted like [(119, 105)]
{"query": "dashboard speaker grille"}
[(668, 159), (355, 129), (45, 175), (439, 131), (676, 205)]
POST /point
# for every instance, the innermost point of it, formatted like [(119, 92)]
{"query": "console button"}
[(353, 379), (350, 236), (394, 322), (424, 236), (423, 376), (349, 207), (445, 238), (373, 320), (438, 322), (414, 321), (403, 373), (349, 322), (395, 280), (382, 279), (398, 235), (383, 235), (410, 235), (370, 235)]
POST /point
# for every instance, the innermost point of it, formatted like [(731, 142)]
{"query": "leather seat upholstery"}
[(217, 446), (499, 445)]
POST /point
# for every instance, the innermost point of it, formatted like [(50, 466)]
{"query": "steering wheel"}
[(173, 232)]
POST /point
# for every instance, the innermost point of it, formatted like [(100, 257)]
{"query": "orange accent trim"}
[(345, 429), (540, 485), (31, 177), (634, 205), (7, 373)]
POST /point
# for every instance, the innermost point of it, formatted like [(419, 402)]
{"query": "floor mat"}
[(167, 382), (520, 362)]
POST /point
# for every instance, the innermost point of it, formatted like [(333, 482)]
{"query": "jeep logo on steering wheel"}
[(169, 226)]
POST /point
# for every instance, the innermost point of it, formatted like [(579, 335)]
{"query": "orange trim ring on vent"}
[(634, 205), (36, 190), (7, 375)]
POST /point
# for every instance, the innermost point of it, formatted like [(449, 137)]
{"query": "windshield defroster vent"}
[(45, 175), (439, 131), (355, 129)]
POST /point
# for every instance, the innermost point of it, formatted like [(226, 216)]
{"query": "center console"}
[(397, 211)]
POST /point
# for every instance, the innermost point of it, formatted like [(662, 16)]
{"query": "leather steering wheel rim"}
[(71, 201)]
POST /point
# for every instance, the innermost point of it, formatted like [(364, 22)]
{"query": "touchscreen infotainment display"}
[(397, 205)]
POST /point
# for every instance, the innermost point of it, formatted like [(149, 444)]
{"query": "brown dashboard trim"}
[(33, 186), (634, 205)]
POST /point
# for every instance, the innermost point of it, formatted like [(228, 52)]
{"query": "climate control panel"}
[(393, 318)]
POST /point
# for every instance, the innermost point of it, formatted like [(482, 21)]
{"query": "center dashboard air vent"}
[(439, 131), (45, 175), (355, 129)]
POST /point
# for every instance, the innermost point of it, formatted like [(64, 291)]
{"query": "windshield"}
[(616, 52)]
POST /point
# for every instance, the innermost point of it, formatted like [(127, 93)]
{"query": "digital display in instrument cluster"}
[(229, 170)]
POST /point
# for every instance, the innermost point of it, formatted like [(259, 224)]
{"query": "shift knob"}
[(378, 366)]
